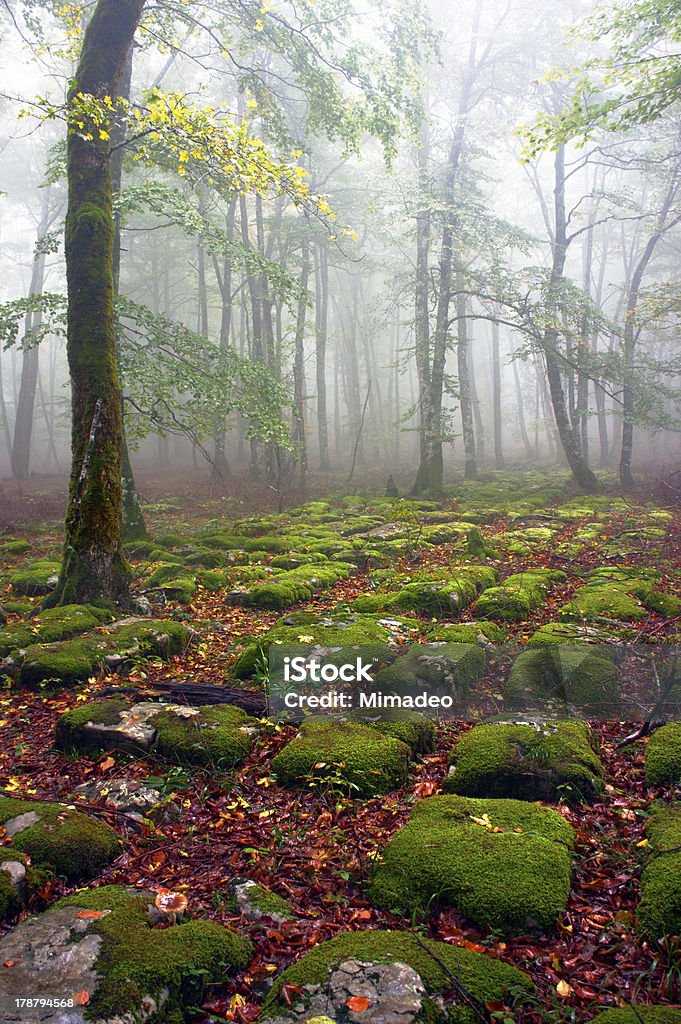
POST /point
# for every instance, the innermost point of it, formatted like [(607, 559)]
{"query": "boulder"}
[(401, 976), (504, 863), (210, 734), (104, 946), (659, 911), (663, 756), (528, 761)]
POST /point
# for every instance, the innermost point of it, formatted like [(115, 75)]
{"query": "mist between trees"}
[(345, 237)]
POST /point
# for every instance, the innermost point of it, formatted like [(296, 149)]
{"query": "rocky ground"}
[(166, 859)]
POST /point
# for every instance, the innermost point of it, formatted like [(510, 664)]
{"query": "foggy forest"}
[(340, 512)]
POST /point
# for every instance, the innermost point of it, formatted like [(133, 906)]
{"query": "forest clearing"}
[(340, 512)]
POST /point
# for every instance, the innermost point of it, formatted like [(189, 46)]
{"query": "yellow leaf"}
[(644, 842), (563, 989)]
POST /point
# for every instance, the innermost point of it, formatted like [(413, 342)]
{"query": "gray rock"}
[(142, 605), (17, 875), (52, 957), (131, 796), (135, 729), (21, 822), (395, 993)]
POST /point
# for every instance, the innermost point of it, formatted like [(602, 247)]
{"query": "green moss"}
[(465, 633), (14, 636), (412, 728), (571, 633), (64, 841), (659, 912), (11, 902), (580, 675), (295, 585), (213, 579), (641, 1015), (488, 979), (513, 880), (269, 903), (663, 756), (327, 630), (442, 668), (15, 547), (529, 762), (182, 589), (161, 638), (294, 560), (621, 593), (36, 579), (518, 596), (137, 960), (68, 730), (217, 735), (368, 761), (63, 664)]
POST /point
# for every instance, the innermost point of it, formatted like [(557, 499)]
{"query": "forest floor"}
[(315, 846)]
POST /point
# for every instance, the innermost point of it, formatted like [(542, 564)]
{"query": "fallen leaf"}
[(81, 998), (358, 1003), (563, 989), (91, 915)]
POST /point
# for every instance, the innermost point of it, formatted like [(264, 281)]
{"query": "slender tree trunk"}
[(23, 424), (471, 465), (569, 440), (94, 567), (299, 363), (321, 320), (524, 436), (496, 398)]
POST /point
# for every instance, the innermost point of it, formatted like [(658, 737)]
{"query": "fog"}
[(264, 336)]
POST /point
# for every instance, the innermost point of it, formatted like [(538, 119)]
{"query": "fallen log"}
[(197, 693)]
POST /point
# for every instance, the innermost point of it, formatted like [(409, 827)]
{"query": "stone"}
[(131, 796), (218, 734), (528, 761), (439, 668), (663, 756), (349, 755), (659, 911), (255, 901), (58, 838), (560, 674), (505, 864), (401, 976), (103, 942)]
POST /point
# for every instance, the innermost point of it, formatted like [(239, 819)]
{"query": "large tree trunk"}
[(133, 526), (94, 567)]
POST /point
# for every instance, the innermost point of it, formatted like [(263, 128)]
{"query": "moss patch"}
[(641, 1015), (659, 912), (365, 760), (518, 596), (65, 841), (514, 880), (579, 675), (663, 756), (489, 980), (36, 579), (138, 960), (217, 735), (441, 668), (529, 762)]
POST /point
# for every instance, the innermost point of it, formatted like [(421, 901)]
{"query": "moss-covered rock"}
[(220, 735), (448, 595), (504, 863), (15, 547), (580, 675), (13, 869), (518, 596), (35, 579), (572, 633), (659, 912), (640, 1015), (663, 756), (466, 633), (374, 633), (541, 761), (144, 973), (51, 625), (58, 838), (622, 594), (353, 755), (436, 963), (295, 585), (441, 668), (256, 901), (412, 728)]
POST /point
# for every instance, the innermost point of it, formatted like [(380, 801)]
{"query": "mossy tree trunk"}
[(94, 567)]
